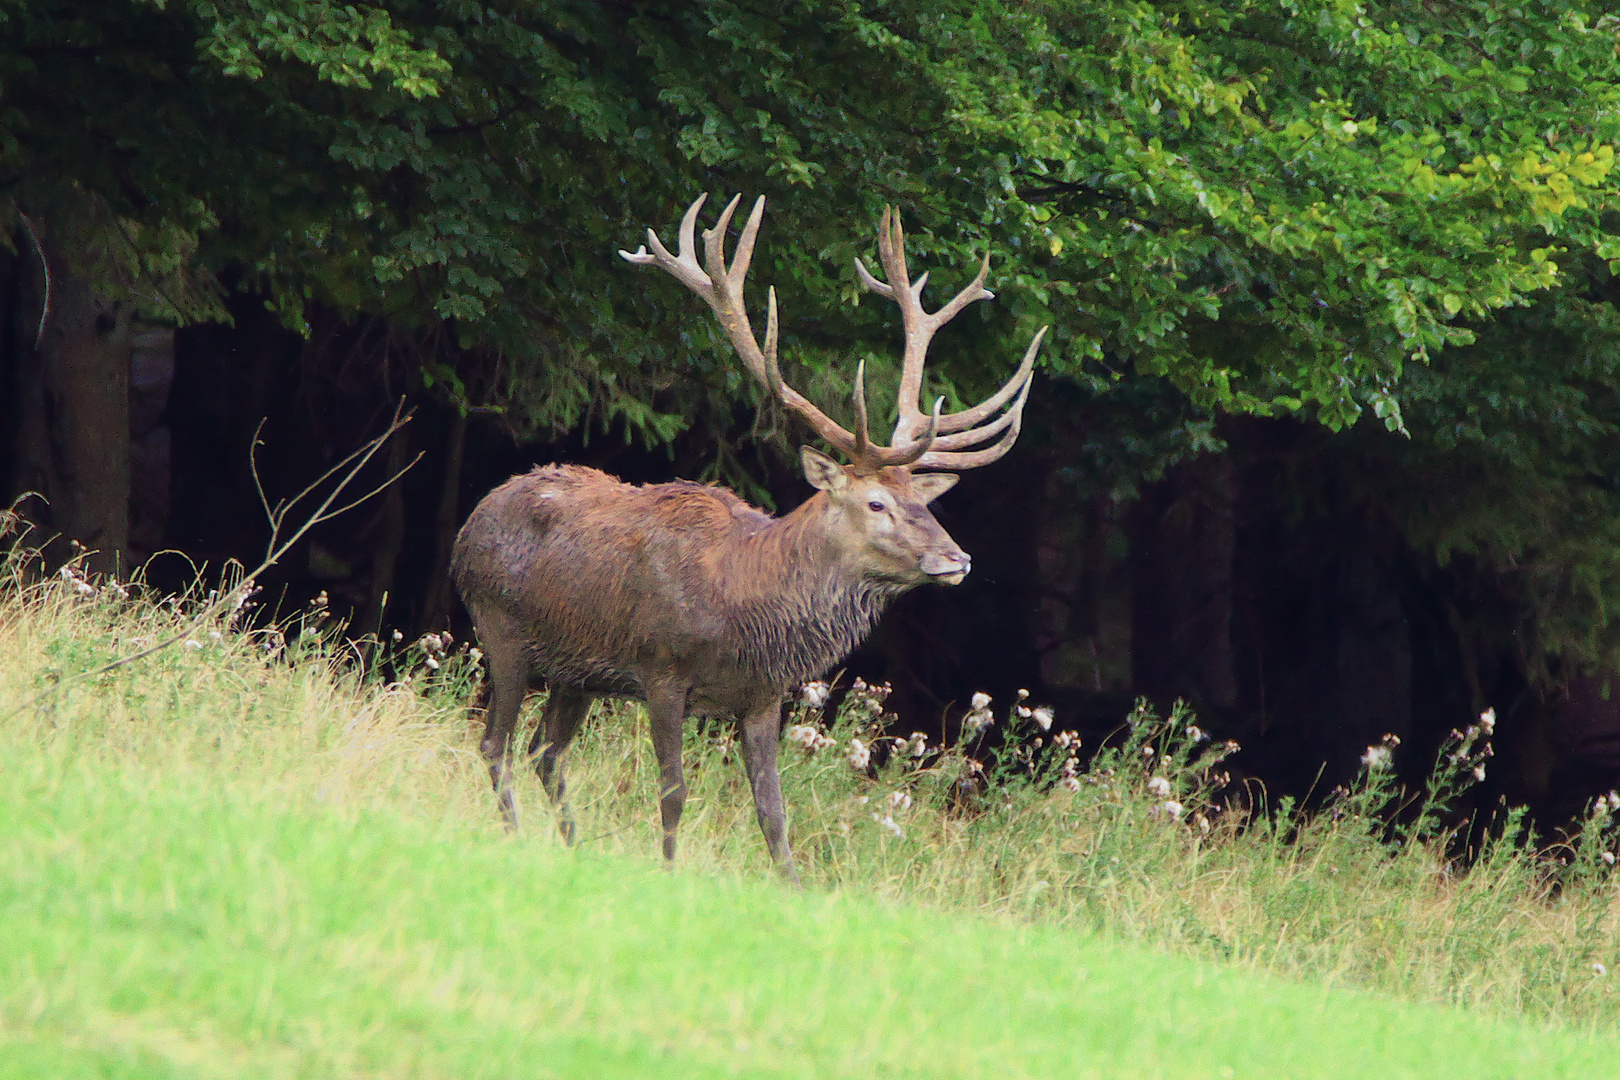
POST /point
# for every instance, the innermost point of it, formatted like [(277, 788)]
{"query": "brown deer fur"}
[(684, 595), (688, 597)]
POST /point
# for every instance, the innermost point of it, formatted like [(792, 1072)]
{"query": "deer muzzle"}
[(946, 567)]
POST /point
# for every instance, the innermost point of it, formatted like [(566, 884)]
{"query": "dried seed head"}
[(1158, 787), (981, 700), (859, 755), (1376, 757), (814, 694)]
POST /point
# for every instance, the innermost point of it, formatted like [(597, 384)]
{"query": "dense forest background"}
[(1323, 440)]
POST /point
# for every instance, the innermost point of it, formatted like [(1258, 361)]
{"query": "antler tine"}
[(773, 373), (990, 406), (909, 453), (685, 266), (972, 459), (863, 436)]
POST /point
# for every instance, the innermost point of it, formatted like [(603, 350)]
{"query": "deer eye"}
[(875, 506)]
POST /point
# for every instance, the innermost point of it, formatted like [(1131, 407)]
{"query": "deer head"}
[(881, 496)]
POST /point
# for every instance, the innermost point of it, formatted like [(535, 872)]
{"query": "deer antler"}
[(918, 440), (958, 430)]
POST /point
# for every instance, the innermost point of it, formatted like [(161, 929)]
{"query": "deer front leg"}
[(565, 709), (508, 683), (666, 710), (761, 732)]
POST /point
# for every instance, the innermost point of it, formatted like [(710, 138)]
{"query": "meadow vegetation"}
[(1121, 861)]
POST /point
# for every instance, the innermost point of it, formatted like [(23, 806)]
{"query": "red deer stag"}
[(686, 596)]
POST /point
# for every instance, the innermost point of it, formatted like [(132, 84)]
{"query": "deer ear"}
[(822, 471), (930, 486)]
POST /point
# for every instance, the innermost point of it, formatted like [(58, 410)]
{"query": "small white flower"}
[(981, 700), (1608, 858), (1196, 733), (1599, 969), (1202, 822), (1043, 717), (1147, 751), (889, 823), (1071, 783), (84, 589), (1487, 720), (1158, 787), (432, 663), (476, 655), (1376, 757), (1024, 711), (398, 636), (814, 694), (1022, 694), (900, 800), (1479, 772), (215, 636), (192, 646), (431, 643), (976, 721), (918, 744), (859, 755), (1171, 807)]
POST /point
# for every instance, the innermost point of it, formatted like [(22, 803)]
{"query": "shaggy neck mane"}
[(795, 603)]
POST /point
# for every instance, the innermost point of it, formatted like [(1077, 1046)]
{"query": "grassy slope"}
[(155, 923)]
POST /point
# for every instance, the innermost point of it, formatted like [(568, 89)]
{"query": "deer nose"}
[(947, 566)]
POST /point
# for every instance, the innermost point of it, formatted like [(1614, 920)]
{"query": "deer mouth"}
[(946, 569)]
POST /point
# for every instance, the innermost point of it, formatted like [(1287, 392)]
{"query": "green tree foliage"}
[(1276, 205), (1317, 206)]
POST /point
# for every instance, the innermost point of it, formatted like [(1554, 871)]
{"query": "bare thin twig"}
[(45, 264), (350, 467)]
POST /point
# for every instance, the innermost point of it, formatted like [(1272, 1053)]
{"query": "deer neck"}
[(810, 603)]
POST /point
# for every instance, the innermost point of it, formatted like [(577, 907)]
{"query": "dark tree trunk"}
[(72, 433), (446, 521)]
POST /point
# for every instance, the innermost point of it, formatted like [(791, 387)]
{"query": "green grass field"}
[(233, 861)]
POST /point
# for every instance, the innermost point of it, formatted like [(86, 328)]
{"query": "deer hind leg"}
[(508, 683), (666, 710), (565, 709), (761, 732)]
